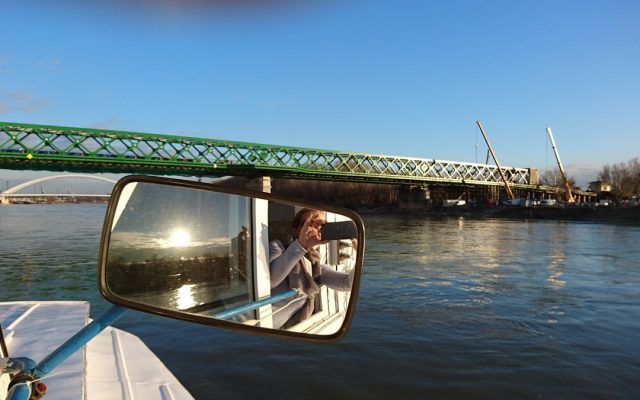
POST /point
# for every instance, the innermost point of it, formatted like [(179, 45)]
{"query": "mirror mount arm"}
[(77, 341), (232, 312)]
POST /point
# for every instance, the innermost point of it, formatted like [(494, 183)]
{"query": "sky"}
[(405, 78)]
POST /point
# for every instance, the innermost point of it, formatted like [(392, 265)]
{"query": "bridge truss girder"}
[(38, 147)]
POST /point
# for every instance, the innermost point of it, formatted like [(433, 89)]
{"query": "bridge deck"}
[(38, 147)]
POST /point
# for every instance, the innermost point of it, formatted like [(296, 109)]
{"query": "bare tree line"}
[(623, 177), (553, 177)]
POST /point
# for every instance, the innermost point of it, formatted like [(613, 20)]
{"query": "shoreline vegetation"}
[(372, 198), (584, 214), (377, 198)]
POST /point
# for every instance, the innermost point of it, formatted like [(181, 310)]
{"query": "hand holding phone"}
[(339, 230)]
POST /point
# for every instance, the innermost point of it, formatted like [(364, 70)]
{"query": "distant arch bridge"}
[(13, 191)]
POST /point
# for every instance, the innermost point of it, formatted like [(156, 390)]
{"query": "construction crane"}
[(567, 188), (504, 178)]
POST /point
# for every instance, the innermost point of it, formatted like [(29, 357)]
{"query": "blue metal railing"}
[(232, 312), (77, 341), (28, 372)]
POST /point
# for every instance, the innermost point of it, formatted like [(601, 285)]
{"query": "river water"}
[(450, 308)]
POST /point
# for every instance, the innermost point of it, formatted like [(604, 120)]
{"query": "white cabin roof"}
[(114, 365)]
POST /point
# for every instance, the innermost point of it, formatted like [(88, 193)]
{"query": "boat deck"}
[(114, 365)]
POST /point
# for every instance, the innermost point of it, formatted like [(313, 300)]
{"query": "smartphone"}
[(339, 230)]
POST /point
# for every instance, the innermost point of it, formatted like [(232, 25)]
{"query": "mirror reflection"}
[(232, 257)]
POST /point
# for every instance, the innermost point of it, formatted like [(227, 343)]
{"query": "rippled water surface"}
[(449, 309)]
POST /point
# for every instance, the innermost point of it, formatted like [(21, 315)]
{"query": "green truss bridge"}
[(38, 147)]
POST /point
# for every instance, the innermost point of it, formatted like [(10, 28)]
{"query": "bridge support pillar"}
[(260, 184), (414, 197), (4, 200)]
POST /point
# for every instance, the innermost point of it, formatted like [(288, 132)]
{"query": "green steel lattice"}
[(39, 147)]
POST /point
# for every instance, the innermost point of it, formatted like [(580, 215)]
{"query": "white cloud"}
[(51, 66), (24, 101), (106, 124), (21, 96)]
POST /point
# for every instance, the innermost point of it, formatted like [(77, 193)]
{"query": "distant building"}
[(603, 190), (533, 176), (600, 187)]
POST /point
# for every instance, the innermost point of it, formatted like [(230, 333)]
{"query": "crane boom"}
[(565, 181), (504, 178)]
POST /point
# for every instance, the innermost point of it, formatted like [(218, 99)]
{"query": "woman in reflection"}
[(297, 266)]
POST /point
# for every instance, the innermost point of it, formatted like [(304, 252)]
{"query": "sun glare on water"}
[(179, 238), (185, 297)]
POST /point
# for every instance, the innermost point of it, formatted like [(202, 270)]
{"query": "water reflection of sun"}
[(184, 298), (179, 238)]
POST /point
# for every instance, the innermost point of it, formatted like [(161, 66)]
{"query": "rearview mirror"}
[(232, 258)]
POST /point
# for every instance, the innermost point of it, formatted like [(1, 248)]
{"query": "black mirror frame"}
[(113, 298)]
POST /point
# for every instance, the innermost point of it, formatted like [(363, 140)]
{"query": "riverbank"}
[(601, 214), (371, 198), (626, 214)]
